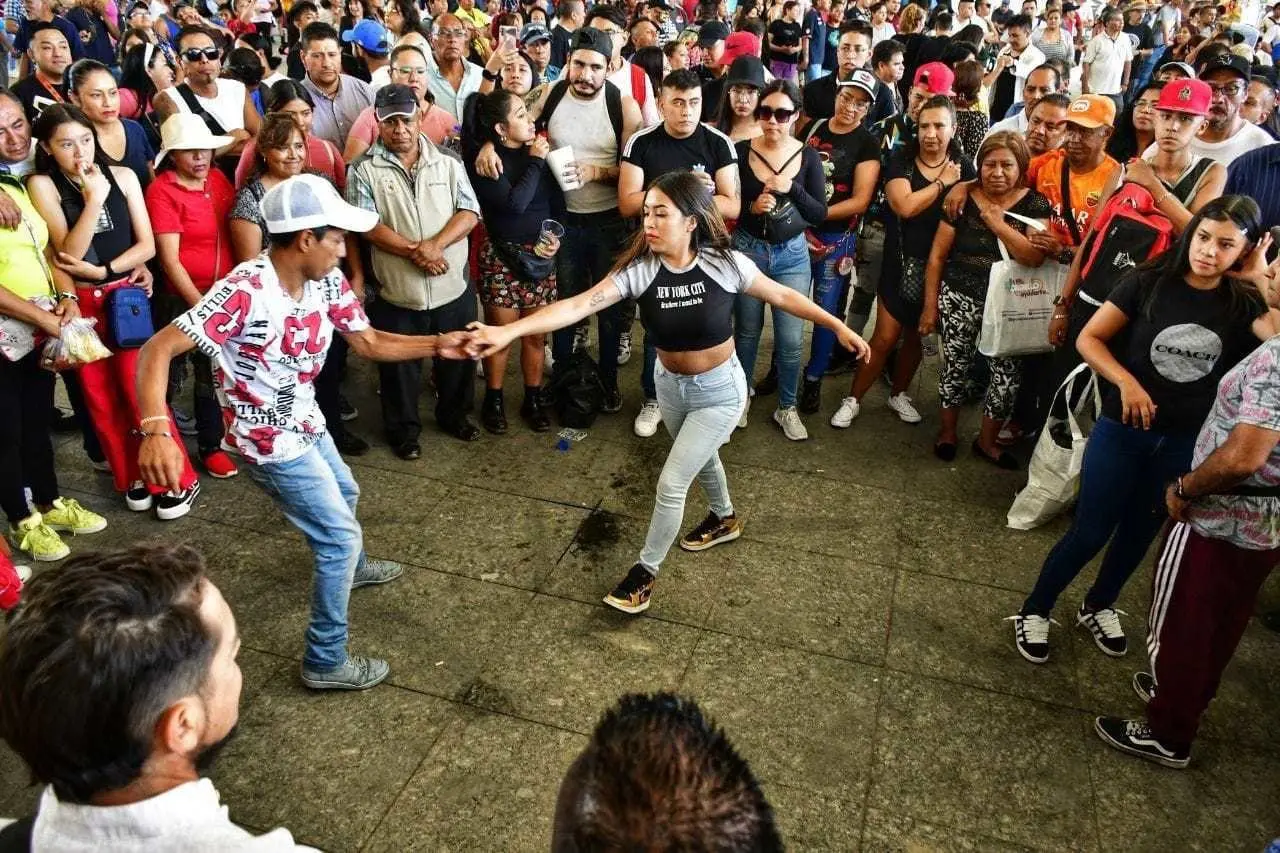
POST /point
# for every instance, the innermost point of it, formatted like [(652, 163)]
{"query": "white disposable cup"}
[(557, 160)]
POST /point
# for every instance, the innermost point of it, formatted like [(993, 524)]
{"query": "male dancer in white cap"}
[(267, 327)]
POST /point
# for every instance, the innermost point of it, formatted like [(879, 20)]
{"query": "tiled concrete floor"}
[(851, 643)]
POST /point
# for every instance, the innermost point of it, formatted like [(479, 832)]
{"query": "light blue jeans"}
[(318, 494), (700, 412), (788, 264)]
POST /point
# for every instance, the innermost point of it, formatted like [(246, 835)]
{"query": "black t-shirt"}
[(712, 92), (560, 39), (784, 34), (1002, 95), (35, 96), (1178, 345), (691, 309), (656, 152), (1146, 38), (841, 153), (819, 99), (916, 234)]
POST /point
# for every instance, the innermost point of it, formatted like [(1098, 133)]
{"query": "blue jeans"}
[(587, 250), (1122, 484), (788, 264), (318, 494), (828, 285), (646, 371), (700, 412)]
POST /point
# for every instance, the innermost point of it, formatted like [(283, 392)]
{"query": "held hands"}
[(50, 324), (484, 340), (453, 345), (426, 255), (1137, 407), (161, 462)]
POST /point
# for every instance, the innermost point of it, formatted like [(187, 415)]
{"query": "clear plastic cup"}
[(548, 239)]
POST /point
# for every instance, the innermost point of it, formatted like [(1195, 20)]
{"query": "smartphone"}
[(512, 33)]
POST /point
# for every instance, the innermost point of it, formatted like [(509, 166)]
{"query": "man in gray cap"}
[(535, 41), (267, 326)]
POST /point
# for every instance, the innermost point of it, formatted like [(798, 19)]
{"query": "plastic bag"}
[(78, 345), (1019, 306)]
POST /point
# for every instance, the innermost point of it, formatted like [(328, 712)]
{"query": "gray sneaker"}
[(357, 673), (376, 571)]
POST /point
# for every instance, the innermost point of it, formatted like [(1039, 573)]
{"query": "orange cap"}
[(1092, 111)]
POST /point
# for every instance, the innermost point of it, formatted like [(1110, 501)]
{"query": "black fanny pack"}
[(530, 267)]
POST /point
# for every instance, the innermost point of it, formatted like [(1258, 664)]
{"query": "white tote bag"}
[(1054, 474), (1019, 306)]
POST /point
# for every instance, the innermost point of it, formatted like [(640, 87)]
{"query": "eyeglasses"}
[(410, 71), (194, 54), (1229, 90), (1142, 104), (451, 34), (781, 115)]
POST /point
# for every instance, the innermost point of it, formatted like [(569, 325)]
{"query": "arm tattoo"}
[(597, 300)]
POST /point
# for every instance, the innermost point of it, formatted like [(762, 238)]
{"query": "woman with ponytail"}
[(681, 271)]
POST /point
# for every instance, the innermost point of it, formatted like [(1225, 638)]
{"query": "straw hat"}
[(187, 132)]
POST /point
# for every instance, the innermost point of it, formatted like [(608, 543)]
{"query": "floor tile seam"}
[(1052, 703), (962, 830), (882, 682), (455, 483)]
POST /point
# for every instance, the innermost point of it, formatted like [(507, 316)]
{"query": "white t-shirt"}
[(1106, 58), (267, 350), (1246, 139), (882, 32), (379, 78), (1016, 123), (227, 107), (186, 819)]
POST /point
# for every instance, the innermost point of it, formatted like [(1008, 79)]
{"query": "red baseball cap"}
[(1186, 96), (740, 44), (935, 78)]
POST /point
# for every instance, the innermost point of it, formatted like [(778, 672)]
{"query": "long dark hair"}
[(938, 102), (409, 11), (482, 111), (1170, 268), (284, 91), (1123, 144), (47, 123), (692, 198), (133, 70)]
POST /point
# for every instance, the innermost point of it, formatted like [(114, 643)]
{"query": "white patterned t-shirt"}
[(267, 350)]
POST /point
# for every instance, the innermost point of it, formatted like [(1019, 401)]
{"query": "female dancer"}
[(685, 278)]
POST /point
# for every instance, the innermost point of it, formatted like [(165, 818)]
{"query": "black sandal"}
[(945, 450), (1004, 461)]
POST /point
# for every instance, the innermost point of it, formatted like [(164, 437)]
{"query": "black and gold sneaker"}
[(713, 531), (632, 595)]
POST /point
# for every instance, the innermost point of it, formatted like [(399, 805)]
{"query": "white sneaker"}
[(902, 404), (647, 421), (24, 573), (624, 349), (849, 408), (548, 360), (792, 426), (138, 497), (742, 421), (173, 505)]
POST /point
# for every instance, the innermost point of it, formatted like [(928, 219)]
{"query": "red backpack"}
[(1129, 230)]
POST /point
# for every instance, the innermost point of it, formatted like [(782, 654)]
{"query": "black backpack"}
[(16, 837), (577, 391)]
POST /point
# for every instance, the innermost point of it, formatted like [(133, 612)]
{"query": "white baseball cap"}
[(310, 201)]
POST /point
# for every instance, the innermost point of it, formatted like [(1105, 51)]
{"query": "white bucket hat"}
[(310, 201), (188, 132)]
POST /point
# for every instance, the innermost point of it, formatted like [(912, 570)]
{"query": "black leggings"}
[(26, 447)]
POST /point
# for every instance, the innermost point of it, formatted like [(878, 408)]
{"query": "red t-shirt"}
[(202, 217)]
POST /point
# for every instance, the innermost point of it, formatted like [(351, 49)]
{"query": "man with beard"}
[(1227, 135), (118, 686)]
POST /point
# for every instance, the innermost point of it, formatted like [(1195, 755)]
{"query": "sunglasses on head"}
[(195, 54), (781, 115)]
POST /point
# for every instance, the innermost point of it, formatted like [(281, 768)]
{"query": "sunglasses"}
[(781, 115), (194, 54)]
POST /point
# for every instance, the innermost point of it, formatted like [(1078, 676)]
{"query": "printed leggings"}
[(961, 317)]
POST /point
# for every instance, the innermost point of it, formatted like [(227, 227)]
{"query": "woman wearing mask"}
[(408, 68), (1164, 337), (101, 236), (190, 203), (736, 117), (701, 387), (121, 141), (291, 98), (956, 289), (514, 206), (918, 177), (783, 194)]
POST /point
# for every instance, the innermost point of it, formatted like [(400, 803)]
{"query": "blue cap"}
[(370, 35)]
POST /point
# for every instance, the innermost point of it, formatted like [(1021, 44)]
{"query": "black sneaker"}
[(810, 396), (138, 497), (1144, 684), (348, 443), (408, 451), (1031, 636), (612, 401), (713, 531), (346, 411), (534, 413), (632, 595), (1135, 738), (493, 413), (1104, 624), (842, 361), (769, 384), (173, 505), (61, 421)]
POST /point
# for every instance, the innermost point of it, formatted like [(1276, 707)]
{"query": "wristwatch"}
[(491, 76)]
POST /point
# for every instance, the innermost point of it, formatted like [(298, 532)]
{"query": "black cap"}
[(712, 32), (394, 99), (1226, 62), (745, 71), (589, 38)]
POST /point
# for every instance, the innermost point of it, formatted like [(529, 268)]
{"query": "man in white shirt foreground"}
[(118, 687)]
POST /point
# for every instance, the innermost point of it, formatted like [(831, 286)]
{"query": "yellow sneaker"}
[(68, 515), (38, 539)]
